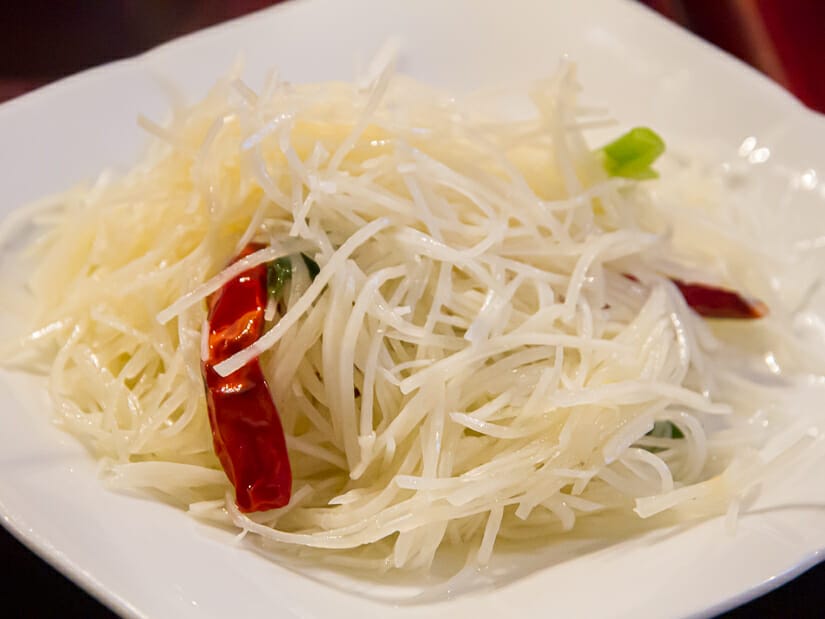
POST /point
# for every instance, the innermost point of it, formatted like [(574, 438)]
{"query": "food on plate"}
[(382, 322)]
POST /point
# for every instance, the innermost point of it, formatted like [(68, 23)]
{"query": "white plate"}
[(146, 559)]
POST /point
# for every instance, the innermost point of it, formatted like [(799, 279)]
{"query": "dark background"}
[(43, 40)]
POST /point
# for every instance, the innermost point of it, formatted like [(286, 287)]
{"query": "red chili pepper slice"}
[(246, 429), (713, 302)]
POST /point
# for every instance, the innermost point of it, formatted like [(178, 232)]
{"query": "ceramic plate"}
[(146, 559)]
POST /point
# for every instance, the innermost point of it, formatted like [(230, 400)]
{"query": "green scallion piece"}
[(632, 154)]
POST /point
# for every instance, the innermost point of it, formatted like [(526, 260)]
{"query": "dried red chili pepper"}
[(246, 429), (712, 302)]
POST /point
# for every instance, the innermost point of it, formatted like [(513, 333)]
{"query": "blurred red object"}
[(781, 38), (42, 40)]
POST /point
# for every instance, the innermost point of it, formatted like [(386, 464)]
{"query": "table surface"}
[(22, 27)]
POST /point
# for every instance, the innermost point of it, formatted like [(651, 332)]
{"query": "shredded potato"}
[(469, 366)]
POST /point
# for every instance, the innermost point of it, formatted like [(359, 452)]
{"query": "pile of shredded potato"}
[(470, 365)]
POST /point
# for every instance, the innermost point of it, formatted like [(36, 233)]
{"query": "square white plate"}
[(146, 559)]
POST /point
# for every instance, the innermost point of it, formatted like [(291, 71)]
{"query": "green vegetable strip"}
[(279, 272), (311, 265), (666, 429)]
